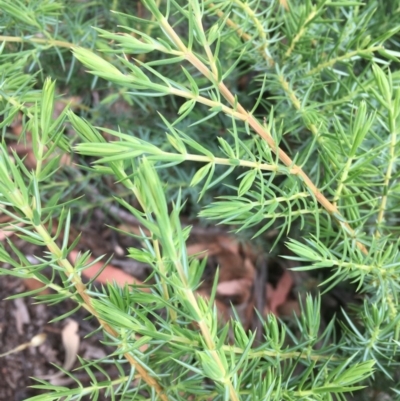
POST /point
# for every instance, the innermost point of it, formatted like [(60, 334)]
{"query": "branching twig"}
[(261, 130), (87, 300)]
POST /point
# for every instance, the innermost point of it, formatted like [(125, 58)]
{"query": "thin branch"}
[(297, 105), (259, 27), (49, 42), (388, 176), (342, 180), (346, 56), (206, 101), (300, 33)]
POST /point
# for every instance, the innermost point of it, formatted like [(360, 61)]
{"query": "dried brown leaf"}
[(70, 339), (278, 296)]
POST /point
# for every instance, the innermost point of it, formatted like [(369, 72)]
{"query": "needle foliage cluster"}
[(265, 115)]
